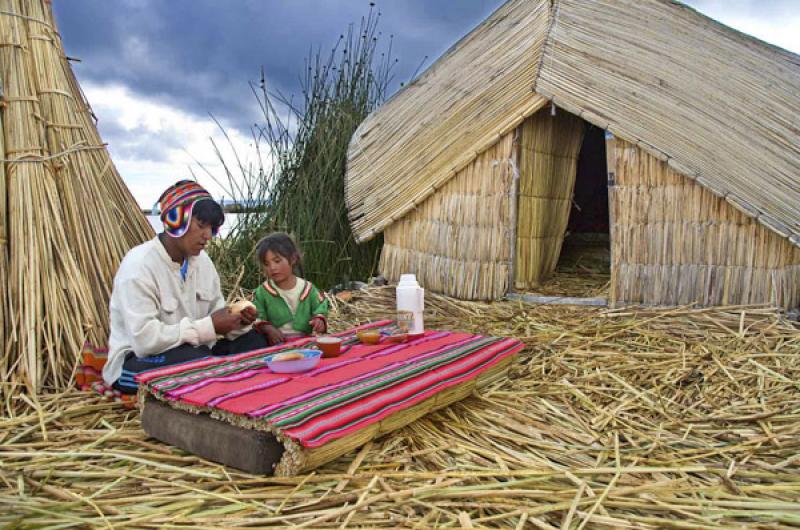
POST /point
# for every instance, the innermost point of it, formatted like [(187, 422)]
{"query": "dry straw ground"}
[(623, 419)]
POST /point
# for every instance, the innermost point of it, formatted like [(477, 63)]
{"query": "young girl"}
[(288, 305)]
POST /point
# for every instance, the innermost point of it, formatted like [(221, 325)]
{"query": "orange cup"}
[(330, 346)]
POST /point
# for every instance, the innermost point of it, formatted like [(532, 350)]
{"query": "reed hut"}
[(66, 217), (679, 134)]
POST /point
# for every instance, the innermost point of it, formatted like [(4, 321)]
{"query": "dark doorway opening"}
[(584, 265), (589, 214)]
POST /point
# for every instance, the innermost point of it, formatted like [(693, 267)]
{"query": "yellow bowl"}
[(369, 336)]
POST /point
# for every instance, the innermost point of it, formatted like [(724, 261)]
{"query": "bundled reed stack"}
[(68, 215)]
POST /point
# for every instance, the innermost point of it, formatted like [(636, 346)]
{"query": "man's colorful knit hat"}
[(177, 203)]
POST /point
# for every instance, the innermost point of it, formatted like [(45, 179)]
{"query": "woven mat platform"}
[(344, 402)]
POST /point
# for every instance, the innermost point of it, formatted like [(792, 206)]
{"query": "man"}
[(166, 305)]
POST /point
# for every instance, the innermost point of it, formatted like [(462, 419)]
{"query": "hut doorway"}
[(584, 265), (562, 229)]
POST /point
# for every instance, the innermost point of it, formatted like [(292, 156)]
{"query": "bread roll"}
[(288, 356), (240, 305)]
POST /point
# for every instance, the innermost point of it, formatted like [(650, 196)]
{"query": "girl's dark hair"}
[(209, 212), (283, 245)]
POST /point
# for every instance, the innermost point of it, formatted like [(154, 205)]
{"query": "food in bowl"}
[(369, 336), (288, 356), (293, 361)]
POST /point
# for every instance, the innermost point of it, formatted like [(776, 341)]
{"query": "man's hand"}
[(224, 321), (318, 325), (274, 335), (248, 315)]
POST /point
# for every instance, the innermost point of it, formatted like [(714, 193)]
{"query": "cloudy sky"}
[(155, 70)]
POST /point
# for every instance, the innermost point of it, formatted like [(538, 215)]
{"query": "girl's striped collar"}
[(272, 289)]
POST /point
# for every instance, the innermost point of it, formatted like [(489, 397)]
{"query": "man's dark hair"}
[(209, 212)]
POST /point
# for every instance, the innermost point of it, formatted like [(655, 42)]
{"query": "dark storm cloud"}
[(199, 55)]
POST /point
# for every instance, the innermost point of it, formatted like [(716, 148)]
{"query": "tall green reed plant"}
[(301, 154)]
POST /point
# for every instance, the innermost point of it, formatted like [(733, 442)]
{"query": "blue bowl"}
[(310, 360)]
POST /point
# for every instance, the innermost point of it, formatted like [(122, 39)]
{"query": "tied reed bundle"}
[(68, 218), (612, 419), (4, 324)]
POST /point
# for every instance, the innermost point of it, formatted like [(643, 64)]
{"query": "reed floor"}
[(610, 419), (583, 270)]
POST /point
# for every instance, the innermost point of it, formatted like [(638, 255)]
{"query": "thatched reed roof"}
[(720, 106), (438, 124)]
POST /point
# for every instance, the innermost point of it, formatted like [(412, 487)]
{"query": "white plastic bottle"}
[(410, 305)]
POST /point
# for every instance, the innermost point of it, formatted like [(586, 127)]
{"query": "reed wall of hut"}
[(458, 241), (549, 148), (675, 242)]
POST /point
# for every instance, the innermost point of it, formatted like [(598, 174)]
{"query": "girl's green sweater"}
[(274, 309)]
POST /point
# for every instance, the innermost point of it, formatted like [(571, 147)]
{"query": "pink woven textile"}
[(365, 384)]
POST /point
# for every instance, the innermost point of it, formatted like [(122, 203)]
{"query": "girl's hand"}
[(274, 335), (318, 325)]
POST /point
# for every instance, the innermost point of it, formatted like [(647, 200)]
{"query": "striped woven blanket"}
[(365, 384)]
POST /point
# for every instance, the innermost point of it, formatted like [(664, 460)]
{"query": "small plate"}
[(310, 360), (397, 336)]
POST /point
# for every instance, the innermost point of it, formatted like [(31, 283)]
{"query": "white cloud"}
[(153, 144), (776, 23), (785, 34)]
